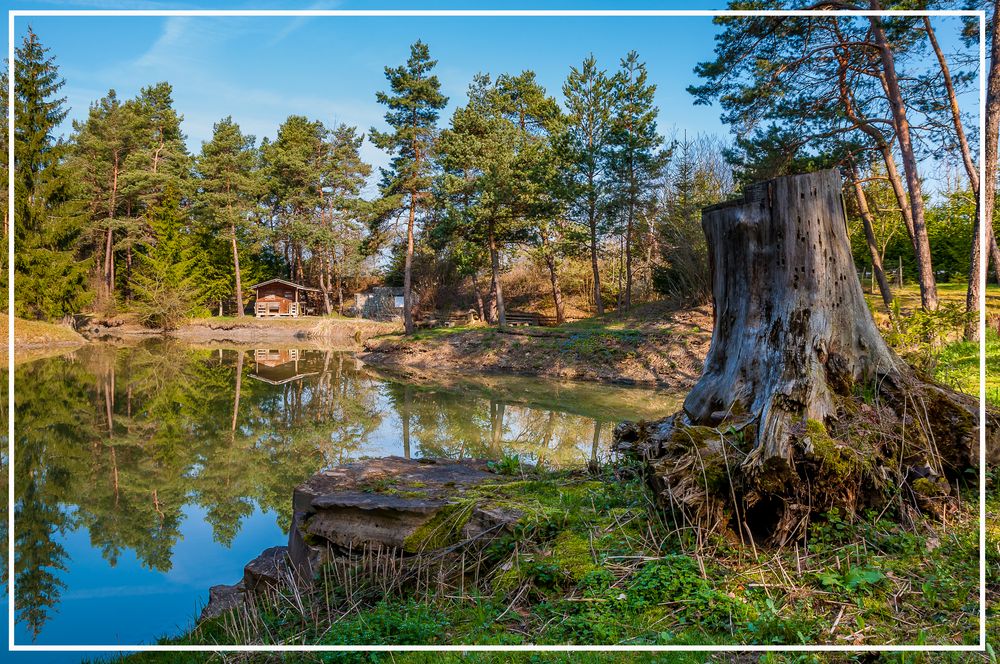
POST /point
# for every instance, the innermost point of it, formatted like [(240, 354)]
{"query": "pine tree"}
[(587, 94), (414, 100), (159, 163), (293, 166), (229, 184), (50, 281), (102, 147), (339, 236), (635, 160), (497, 165)]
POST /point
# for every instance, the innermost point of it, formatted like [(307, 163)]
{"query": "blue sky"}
[(262, 69)]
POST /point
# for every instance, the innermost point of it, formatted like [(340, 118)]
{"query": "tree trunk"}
[(973, 294), (236, 271), (408, 269), (991, 235), (324, 285), (404, 415), (790, 308), (498, 289), (628, 260), (991, 134), (479, 296), (239, 386), (557, 300), (866, 220), (598, 301), (775, 430), (925, 271)]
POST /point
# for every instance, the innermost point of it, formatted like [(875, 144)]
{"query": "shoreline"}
[(663, 351)]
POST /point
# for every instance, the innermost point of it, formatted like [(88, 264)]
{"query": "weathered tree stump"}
[(802, 406)]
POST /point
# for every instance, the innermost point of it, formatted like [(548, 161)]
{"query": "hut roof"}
[(287, 283)]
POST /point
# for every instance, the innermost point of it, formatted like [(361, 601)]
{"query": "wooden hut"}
[(280, 298)]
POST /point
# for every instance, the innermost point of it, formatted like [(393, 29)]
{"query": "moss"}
[(925, 486), (838, 460), (443, 529), (715, 473), (694, 435), (571, 552)]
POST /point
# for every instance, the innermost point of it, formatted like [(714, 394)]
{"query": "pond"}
[(147, 473)]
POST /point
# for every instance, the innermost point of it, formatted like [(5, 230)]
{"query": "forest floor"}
[(655, 344), (662, 345)]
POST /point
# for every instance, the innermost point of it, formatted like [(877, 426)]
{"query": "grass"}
[(594, 561), (957, 366), (34, 332), (948, 293)]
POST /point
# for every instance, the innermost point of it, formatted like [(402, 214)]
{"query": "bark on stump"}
[(801, 407)]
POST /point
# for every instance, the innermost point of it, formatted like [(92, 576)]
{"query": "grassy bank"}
[(595, 561), (655, 345), (34, 333)]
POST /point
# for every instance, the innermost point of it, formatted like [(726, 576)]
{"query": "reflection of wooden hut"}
[(277, 366), (380, 303), (280, 298)]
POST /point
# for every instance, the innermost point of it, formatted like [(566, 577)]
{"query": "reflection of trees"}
[(120, 440), (57, 422), (469, 423)]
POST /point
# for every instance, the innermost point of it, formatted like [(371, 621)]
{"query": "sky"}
[(260, 70)]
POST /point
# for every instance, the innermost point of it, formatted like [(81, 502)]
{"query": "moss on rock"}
[(443, 529)]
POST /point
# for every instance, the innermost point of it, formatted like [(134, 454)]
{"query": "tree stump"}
[(802, 406)]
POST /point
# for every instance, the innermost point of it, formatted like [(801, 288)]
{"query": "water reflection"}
[(122, 443)]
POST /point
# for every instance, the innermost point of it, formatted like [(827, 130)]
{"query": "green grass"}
[(957, 366), (594, 562)]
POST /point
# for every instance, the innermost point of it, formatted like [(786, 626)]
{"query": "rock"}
[(222, 598), (268, 570), (373, 474), (404, 505)]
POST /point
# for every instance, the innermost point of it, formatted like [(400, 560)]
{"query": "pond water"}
[(145, 474)]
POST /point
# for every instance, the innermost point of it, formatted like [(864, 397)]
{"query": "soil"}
[(657, 346)]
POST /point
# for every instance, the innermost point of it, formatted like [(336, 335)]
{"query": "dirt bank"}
[(331, 331), (657, 345)]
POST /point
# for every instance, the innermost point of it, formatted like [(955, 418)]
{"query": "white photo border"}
[(14, 647)]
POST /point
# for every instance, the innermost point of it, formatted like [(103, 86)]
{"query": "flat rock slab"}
[(395, 503), (432, 478)]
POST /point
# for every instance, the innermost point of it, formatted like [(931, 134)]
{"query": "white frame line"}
[(19, 13)]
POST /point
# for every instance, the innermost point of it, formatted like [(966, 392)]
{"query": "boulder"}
[(222, 598), (268, 570), (404, 505)]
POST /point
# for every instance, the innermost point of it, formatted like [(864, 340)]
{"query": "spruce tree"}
[(339, 237), (414, 100), (50, 281), (164, 279)]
